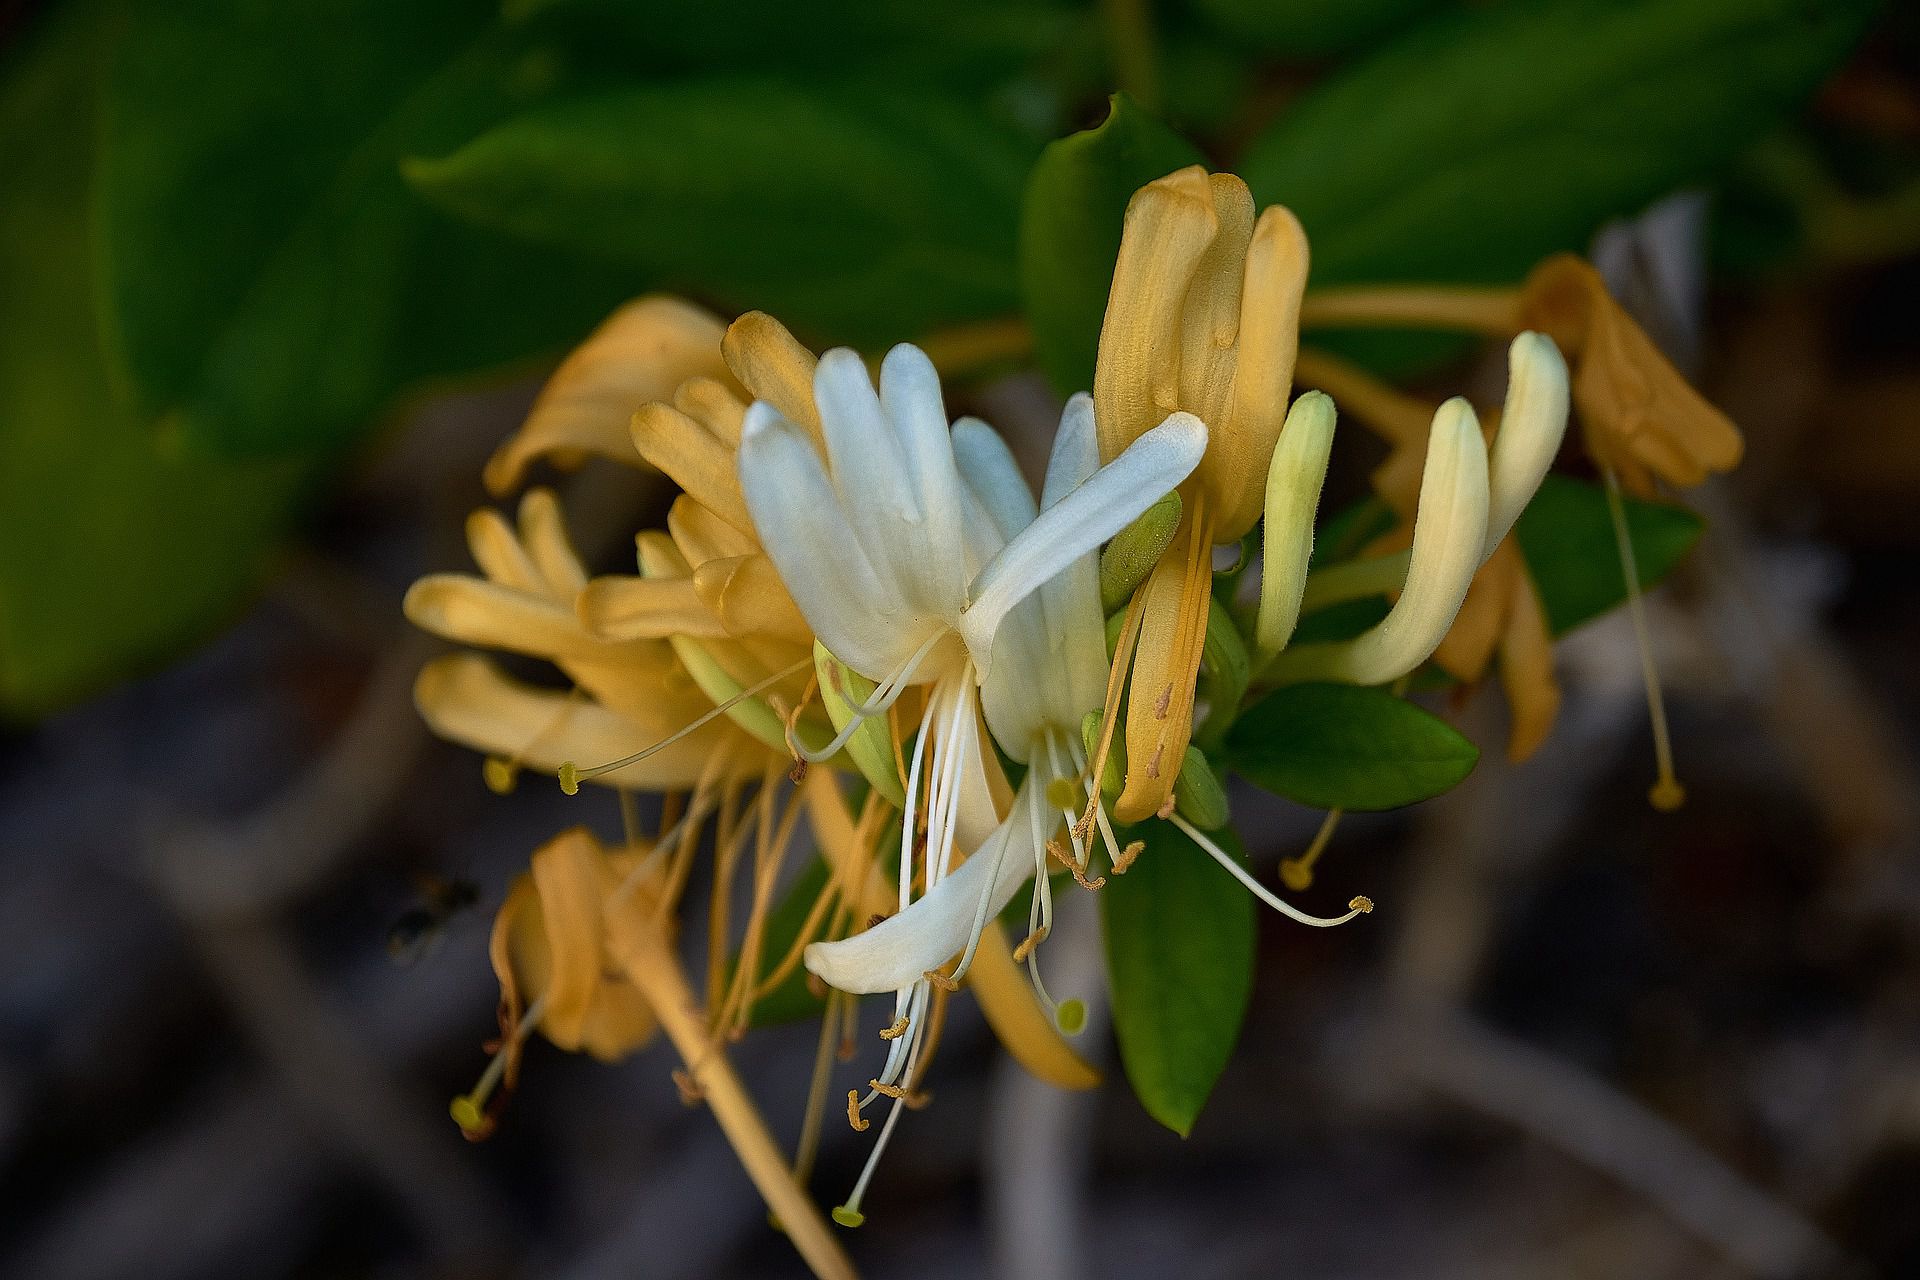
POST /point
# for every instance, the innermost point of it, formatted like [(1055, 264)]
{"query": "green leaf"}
[(115, 549), (863, 215), (268, 280), (1335, 746), (1179, 933), (1070, 222), (1478, 143), (1567, 536), (1302, 29)]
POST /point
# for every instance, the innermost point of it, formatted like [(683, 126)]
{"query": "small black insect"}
[(421, 929)]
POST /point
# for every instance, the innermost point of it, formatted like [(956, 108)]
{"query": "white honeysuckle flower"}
[(916, 556), (1468, 504)]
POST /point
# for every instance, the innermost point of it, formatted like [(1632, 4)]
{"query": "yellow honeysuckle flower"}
[(1202, 318)]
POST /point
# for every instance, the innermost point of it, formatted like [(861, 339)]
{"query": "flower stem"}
[(651, 965)]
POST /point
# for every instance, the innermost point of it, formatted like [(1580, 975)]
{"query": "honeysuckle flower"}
[(1202, 318), (549, 953), (908, 546)]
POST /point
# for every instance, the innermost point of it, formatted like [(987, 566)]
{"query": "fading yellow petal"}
[(475, 611), (1526, 670), (1482, 619), (1165, 668), (715, 405), (466, 699), (1267, 345), (748, 597), (700, 535), (774, 366), (568, 878), (543, 532), (496, 549), (696, 460), (640, 353), (628, 608), (1640, 414)]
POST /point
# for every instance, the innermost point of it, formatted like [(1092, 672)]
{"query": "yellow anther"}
[(1360, 903), (859, 1126), (472, 1120), (500, 775), (941, 980), (1032, 940), (1128, 856), (569, 778), (847, 1215), (894, 1091), (898, 1029)]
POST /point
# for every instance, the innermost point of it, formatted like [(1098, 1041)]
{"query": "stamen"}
[(941, 980), (1297, 873), (888, 1090), (1357, 907), (1666, 794), (571, 774), (502, 772), (1127, 856), (1110, 714), (809, 1145), (898, 1029), (884, 696), (469, 1110), (853, 1114), (1027, 944)]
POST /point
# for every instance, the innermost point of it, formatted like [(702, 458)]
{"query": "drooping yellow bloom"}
[(1202, 318)]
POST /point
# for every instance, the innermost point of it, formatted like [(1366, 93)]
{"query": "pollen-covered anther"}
[(1027, 944), (1128, 856), (894, 1091), (569, 777), (1361, 903), (854, 1119), (898, 1029), (941, 980), (500, 774)]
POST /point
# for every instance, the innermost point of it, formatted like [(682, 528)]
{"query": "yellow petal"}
[(715, 405), (1238, 448), (1526, 670), (697, 461), (749, 598), (1209, 323), (567, 876), (1165, 668), (544, 535), (466, 699), (496, 549), (641, 353), (1639, 413), (1482, 619), (518, 949), (701, 535), (628, 608), (773, 366), (1136, 382), (478, 612)]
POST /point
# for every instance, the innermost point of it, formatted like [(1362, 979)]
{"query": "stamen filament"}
[(1666, 794), (1297, 873), (1359, 906), (571, 774)]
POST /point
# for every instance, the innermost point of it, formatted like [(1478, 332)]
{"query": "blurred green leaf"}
[(1333, 746), (863, 215), (114, 548), (1302, 29), (1568, 539), (1179, 933), (269, 282), (1478, 143), (1070, 222)]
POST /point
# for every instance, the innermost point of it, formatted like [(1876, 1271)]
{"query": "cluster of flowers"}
[(856, 599)]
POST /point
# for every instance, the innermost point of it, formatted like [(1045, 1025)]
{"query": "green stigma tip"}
[(466, 1114), (569, 778), (848, 1216), (1071, 1017), (499, 775)]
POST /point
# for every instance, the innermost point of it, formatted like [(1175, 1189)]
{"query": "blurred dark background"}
[(1579, 1038)]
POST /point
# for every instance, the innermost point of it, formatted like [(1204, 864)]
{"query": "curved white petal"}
[(989, 469), (896, 952), (1092, 512), (910, 398), (810, 540), (1531, 428)]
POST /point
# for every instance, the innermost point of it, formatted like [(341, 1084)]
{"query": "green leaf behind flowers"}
[(115, 546), (1070, 222), (858, 214), (1567, 536), (1335, 746), (1180, 951)]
